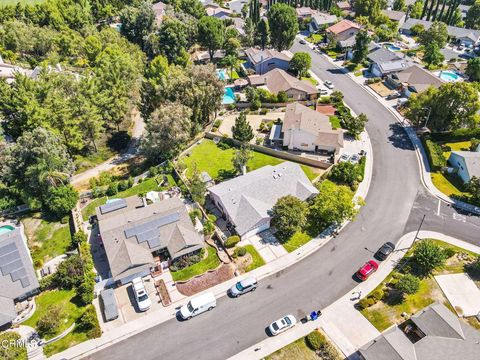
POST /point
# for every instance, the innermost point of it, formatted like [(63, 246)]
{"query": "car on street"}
[(143, 300), (354, 159), (197, 305), (344, 158), (385, 250), (243, 286), (322, 91), (303, 42), (329, 84), (366, 270), (282, 325)]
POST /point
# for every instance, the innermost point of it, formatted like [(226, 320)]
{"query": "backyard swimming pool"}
[(392, 47), (222, 74), (228, 96), (448, 76), (5, 229)]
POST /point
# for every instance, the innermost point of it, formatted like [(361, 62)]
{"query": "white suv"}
[(143, 301)]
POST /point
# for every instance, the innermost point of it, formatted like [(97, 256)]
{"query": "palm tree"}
[(230, 61)]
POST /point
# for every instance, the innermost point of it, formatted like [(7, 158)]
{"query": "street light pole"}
[(421, 223)]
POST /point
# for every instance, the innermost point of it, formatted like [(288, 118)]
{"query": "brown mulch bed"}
[(163, 292), (207, 280)]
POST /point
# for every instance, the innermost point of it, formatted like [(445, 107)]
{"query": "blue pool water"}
[(222, 74), (5, 229), (228, 96), (394, 48), (448, 76)]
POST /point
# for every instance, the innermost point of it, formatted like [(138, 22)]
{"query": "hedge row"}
[(456, 135), (435, 154)]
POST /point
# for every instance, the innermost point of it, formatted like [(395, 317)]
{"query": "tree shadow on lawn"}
[(399, 138), (224, 174)]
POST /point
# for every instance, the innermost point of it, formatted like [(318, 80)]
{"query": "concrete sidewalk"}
[(344, 325)]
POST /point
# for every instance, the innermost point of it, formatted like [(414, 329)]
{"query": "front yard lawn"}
[(314, 38), (73, 338), (218, 162), (296, 350), (312, 80), (143, 187), (335, 122), (447, 185), (46, 239), (297, 240), (257, 260), (65, 299), (210, 262)]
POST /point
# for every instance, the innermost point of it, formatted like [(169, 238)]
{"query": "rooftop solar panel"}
[(113, 206), (148, 232), (11, 263)]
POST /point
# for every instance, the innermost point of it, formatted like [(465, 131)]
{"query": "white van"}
[(198, 305)]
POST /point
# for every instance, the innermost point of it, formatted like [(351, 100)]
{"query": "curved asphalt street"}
[(395, 204)]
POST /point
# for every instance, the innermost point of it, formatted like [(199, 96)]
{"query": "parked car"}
[(109, 304), (243, 286), (394, 95), (366, 270), (329, 84), (401, 102), (354, 159), (385, 250), (344, 158), (322, 91), (141, 296), (197, 305), (282, 325), (303, 42)]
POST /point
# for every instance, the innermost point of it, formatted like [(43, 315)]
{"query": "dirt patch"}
[(381, 89), (207, 280), (243, 262)]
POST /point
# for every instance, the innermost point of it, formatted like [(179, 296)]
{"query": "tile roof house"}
[(414, 79), (17, 276), (467, 164), (384, 61), (435, 333), (132, 232), (305, 129), (246, 200), (320, 20), (279, 80), (343, 32), (461, 35), (159, 10), (263, 61)]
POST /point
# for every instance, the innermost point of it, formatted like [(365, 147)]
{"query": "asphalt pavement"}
[(395, 204)]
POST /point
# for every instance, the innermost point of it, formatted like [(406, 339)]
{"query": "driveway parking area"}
[(352, 146), (254, 121), (266, 244), (461, 292)]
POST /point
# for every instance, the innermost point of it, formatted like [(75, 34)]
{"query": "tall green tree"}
[(263, 33), (399, 5), (301, 63), (173, 39), (437, 33), (360, 50), (241, 157), (416, 9), (138, 22), (428, 256), (242, 131), (283, 33), (432, 55), (211, 34), (230, 61), (473, 69), (472, 19), (289, 215), (198, 188), (473, 187)]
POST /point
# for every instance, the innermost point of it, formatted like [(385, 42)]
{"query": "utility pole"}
[(413, 243)]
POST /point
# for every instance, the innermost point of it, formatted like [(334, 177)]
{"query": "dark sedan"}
[(384, 251)]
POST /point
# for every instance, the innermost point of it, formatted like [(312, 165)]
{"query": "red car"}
[(366, 270)]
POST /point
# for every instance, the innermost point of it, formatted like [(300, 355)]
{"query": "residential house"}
[(396, 16), (467, 37), (343, 33), (237, 5), (263, 61), (159, 11), (413, 79), (305, 129), (434, 333), (246, 201), (17, 277), (467, 164), (278, 80), (384, 62), (305, 12), (239, 25), (213, 9), (133, 233), (344, 6), (320, 20), (203, 56)]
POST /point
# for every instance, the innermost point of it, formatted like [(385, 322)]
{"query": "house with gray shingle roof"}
[(434, 333), (246, 201), (467, 164), (414, 79), (133, 233), (17, 276), (262, 61), (384, 62)]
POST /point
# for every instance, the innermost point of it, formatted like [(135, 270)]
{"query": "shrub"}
[(428, 256), (371, 301), (378, 294), (105, 178), (79, 237), (240, 251), (475, 266), (123, 185), (212, 218), (217, 123), (315, 340), (324, 100), (373, 80), (47, 283), (449, 252), (255, 105), (86, 289), (263, 111), (435, 155), (98, 192), (49, 321), (112, 189), (232, 241), (208, 228), (195, 213), (89, 322), (282, 97), (363, 303), (408, 284), (70, 272), (187, 260)]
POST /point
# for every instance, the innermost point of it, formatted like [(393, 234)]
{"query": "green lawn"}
[(234, 75), (83, 163), (312, 80), (448, 186), (457, 146), (314, 38), (257, 259), (335, 122), (218, 163), (23, 2), (210, 262), (145, 186), (294, 351), (297, 240), (47, 239), (73, 338), (71, 311)]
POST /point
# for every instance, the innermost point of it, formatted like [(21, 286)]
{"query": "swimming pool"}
[(394, 48), (228, 96), (5, 229), (448, 76), (222, 74)]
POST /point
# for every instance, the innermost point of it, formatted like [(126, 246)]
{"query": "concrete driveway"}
[(462, 292)]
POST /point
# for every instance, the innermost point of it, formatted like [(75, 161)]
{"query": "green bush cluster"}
[(88, 322), (457, 135), (435, 155), (240, 251), (187, 260), (373, 80), (315, 340), (232, 241), (408, 284)]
